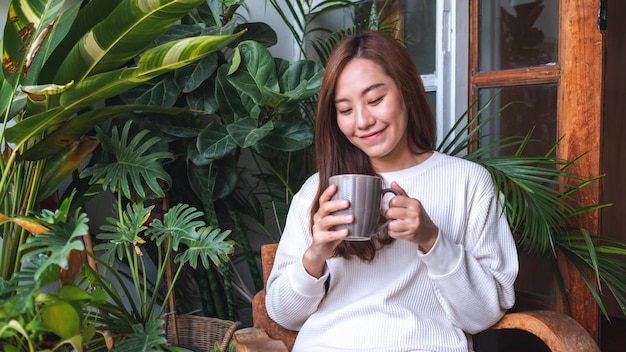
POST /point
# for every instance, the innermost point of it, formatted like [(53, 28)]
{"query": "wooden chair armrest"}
[(558, 331), (256, 340)]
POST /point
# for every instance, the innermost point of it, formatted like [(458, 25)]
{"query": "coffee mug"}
[(365, 194)]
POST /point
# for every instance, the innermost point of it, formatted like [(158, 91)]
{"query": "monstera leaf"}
[(132, 168)]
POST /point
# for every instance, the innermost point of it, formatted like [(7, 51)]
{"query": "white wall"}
[(262, 11)]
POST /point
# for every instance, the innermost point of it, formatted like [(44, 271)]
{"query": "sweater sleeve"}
[(292, 295), (473, 280)]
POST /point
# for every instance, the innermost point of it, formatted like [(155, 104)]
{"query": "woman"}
[(445, 267)]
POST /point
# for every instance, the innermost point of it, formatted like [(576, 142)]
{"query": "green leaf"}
[(215, 181), (123, 234), (302, 80), (146, 338), (23, 34), (253, 72), (119, 37), (58, 242), (179, 223), (214, 141), (233, 103), (52, 39), (132, 167), (209, 244), (157, 92), (287, 136), (190, 77), (99, 87), (246, 133), (72, 130), (90, 13), (54, 313)]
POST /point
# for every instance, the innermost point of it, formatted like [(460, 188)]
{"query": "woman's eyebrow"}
[(365, 91)]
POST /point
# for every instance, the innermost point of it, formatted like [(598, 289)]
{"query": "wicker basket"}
[(200, 332)]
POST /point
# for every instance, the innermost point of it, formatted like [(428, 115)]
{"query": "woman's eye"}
[(376, 101), (344, 111)]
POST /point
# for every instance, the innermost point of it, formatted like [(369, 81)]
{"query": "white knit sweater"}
[(404, 300)]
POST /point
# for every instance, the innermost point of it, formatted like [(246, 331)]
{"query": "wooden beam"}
[(579, 112)]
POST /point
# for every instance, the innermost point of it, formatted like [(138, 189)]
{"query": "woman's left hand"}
[(410, 220)]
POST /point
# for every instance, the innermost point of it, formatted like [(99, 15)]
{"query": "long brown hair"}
[(334, 152)]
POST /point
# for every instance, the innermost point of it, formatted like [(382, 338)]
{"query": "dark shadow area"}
[(613, 335), (508, 340)]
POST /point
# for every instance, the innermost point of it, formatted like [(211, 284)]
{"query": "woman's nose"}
[(364, 119)]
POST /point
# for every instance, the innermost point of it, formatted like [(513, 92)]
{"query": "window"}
[(437, 40)]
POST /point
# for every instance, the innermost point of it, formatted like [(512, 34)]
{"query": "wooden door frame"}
[(578, 75)]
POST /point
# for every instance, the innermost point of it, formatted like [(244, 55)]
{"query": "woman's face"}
[(372, 115)]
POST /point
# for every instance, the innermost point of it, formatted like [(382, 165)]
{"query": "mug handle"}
[(386, 223)]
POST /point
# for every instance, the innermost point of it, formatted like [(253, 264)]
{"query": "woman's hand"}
[(410, 220), (325, 240)]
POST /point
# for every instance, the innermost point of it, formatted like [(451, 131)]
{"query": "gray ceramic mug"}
[(365, 193)]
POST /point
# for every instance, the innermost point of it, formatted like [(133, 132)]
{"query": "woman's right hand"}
[(325, 240)]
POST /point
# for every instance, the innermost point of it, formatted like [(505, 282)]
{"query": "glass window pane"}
[(432, 98), (517, 33), (419, 29), (532, 107)]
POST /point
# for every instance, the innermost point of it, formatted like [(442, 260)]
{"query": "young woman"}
[(445, 267)]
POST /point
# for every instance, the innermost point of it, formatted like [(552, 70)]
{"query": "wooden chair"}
[(558, 331)]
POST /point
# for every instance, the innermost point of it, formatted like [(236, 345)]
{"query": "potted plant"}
[(99, 307), (52, 92)]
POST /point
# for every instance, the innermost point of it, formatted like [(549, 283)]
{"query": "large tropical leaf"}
[(90, 13), (145, 338), (57, 243), (122, 35), (132, 167), (153, 63), (121, 235), (67, 134), (286, 136), (210, 244), (179, 223), (27, 23)]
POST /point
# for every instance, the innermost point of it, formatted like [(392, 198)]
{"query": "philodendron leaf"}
[(179, 223), (133, 167), (57, 242), (122, 234), (246, 133), (145, 338), (287, 136), (210, 244), (214, 141)]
